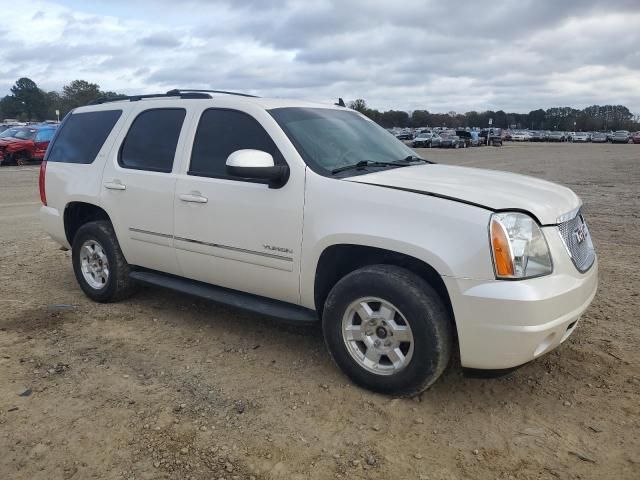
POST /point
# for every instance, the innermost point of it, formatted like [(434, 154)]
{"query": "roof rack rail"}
[(197, 90), (135, 98)]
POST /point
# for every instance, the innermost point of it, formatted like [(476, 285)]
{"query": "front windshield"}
[(328, 139), (9, 132), (25, 133)]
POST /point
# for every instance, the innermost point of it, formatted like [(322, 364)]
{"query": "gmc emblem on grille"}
[(581, 233)]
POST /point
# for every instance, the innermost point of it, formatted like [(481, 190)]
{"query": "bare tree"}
[(359, 105)]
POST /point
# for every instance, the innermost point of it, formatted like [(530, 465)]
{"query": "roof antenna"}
[(340, 103)]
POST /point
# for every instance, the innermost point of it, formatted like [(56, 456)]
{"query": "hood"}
[(487, 188)]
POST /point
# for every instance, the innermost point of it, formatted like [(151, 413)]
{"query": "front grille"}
[(581, 252)]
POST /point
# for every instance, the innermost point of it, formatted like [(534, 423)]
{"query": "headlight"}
[(518, 246)]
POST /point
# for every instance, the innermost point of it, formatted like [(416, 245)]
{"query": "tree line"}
[(27, 102), (593, 118)]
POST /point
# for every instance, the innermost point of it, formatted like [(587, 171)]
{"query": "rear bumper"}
[(53, 224), (504, 324)]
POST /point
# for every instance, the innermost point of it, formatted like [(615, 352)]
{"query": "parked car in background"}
[(426, 140), (27, 144), (404, 136), (521, 136), (465, 136), (636, 137), (476, 141), (537, 136), (506, 135), (491, 136), (621, 136), (599, 137), (556, 137), (581, 137), (449, 139)]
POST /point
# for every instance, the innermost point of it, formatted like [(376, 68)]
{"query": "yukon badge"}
[(278, 249)]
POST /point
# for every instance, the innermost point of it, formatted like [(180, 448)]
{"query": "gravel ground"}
[(163, 386)]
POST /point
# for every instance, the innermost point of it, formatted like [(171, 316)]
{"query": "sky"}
[(514, 55)]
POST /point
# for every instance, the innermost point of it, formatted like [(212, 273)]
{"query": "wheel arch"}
[(77, 214), (338, 260)]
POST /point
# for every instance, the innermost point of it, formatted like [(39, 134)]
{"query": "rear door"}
[(235, 232), (138, 185)]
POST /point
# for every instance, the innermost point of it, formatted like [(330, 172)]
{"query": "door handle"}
[(115, 185), (193, 197)]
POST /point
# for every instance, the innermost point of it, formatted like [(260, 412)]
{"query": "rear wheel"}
[(388, 330), (21, 158), (98, 263)]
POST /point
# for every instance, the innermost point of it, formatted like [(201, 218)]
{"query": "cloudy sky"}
[(438, 55)]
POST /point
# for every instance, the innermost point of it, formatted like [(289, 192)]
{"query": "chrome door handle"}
[(194, 197), (115, 185)]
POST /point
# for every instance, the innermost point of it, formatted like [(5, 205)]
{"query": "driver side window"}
[(222, 132)]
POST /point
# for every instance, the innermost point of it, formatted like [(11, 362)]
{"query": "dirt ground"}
[(163, 386)]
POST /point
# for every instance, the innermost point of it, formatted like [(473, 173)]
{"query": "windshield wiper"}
[(410, 160), (405, 162), (362, 164)]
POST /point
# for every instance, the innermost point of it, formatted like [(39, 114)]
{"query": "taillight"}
[(41, 185)]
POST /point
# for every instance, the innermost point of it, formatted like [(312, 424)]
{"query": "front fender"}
[(449, 236)]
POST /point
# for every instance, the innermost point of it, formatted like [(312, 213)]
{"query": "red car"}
[(26, 144), (636, 137)]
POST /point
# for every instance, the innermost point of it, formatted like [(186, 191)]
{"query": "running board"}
[(245, 301)]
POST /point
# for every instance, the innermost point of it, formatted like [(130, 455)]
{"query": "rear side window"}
[(81, 136), (152, 140), (222, 132)]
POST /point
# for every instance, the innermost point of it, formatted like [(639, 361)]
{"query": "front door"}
[(235, 232)]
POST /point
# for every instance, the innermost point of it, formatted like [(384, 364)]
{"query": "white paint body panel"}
[(268, 242), (494, 189)]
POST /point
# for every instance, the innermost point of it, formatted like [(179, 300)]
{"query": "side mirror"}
[(257, 165)]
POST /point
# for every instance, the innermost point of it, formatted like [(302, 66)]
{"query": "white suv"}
[(313, 213)]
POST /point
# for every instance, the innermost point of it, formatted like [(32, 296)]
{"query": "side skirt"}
[(287, 312)]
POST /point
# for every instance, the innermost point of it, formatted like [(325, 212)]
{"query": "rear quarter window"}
[(81, 136)]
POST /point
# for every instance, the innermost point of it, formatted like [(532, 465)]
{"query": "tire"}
[(21, 159), (418, 306), (117, 285)]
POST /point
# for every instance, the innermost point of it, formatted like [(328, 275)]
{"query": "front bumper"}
[(504, 324)]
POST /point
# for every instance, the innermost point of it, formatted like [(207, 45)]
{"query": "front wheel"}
[(388, 330), (98, 263)]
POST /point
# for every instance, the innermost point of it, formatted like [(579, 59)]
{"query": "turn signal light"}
[(501, 250)]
